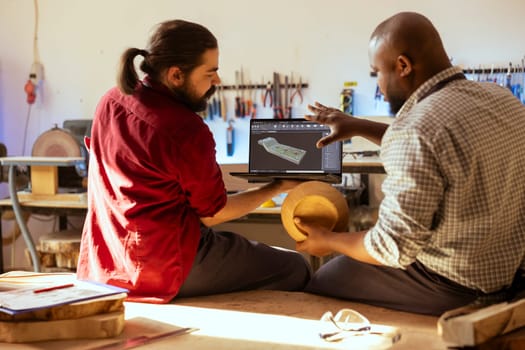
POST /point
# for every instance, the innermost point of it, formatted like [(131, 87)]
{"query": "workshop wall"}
[(79, 44), (325, 42)]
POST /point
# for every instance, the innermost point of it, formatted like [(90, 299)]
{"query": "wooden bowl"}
[(317, 202)]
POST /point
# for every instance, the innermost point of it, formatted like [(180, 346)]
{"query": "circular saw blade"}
[(56, 143)]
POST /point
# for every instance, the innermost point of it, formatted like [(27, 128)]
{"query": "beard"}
[(395, 105), (395, 98), (187, 95)]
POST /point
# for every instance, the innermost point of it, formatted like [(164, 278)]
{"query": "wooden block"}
[(44, 179), (65, 241), (471, 325), (109, 304), (67, 260), (97, 326), (16, 280), (65, 247), (46, 259), (66, 197)]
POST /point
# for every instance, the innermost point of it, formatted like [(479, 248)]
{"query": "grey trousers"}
[(228, 262), (415, 289)]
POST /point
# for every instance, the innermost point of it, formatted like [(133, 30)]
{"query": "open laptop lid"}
[(285, 148)]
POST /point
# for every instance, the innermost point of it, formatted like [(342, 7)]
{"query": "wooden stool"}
[(64, 246)]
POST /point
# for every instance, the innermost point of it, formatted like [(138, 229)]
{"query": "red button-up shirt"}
[(152, 175)]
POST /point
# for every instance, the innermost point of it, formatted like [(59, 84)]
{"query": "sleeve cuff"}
[(378, 247)]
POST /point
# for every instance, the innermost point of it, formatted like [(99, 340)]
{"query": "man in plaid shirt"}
[(451, 226)]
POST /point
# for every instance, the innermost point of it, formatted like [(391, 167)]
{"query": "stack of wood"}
[(58, 251), (475, 325), (98, 317)]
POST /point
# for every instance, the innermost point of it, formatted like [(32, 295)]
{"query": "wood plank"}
[(69, 311), (49, 204), (28, 160), (473, 325), (92, 327), (51, 197), (44, 180), (66, 241)]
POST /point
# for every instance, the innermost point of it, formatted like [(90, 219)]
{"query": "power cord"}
[(28, 116)]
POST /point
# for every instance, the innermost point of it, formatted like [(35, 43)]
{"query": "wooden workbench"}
[(258, 320), (266, 320)]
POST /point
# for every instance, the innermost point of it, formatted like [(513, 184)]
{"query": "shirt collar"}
[(426, 87), (152, 84)]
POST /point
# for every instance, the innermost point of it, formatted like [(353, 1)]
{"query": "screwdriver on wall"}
[(287, 108), (230, 138), (238, 108), (222, 103), (249, 102), (244, 106), (277, 106), (254, 104)]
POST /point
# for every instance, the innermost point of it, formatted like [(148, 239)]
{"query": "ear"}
[(403, 65), (175, 76)]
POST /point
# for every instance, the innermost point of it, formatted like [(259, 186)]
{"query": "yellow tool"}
[(268, 204)]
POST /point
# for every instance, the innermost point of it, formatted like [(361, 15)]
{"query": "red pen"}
[(53, 288)]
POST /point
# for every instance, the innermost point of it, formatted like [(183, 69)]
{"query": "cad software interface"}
[(289, 145)]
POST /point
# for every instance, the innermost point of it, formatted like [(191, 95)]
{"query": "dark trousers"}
[(228, 262), (415, 289)]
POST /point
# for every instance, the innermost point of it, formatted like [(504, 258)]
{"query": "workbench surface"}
[(257, 320), (266, 320)]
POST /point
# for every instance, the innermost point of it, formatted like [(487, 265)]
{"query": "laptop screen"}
[(288, 146)]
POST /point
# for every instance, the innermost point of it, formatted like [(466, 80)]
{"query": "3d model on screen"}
[(289, 153)]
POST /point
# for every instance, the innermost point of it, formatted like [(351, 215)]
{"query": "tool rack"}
[(498, 70), (260, 86)]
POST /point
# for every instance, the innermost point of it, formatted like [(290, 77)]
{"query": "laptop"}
[(286, 149)]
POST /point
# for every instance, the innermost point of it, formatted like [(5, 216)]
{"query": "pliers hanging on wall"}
[(267, 95), (297, 92)]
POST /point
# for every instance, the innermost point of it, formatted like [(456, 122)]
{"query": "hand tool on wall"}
[(277, 102), (254, 104), (287, 110), (222, 103), (210, 112), (244, 112), (508, 82), (230, 138), (248, 101), (493, 76), (266, 96), (215, 105), (238, 108), (297, 91), (516, 82), (478, 76)]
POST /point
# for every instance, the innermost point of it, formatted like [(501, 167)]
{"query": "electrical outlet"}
[(36, 74)]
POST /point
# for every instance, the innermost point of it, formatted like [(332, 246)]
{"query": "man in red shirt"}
[(155, 188)]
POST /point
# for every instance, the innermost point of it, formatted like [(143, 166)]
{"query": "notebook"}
[(286, 149)]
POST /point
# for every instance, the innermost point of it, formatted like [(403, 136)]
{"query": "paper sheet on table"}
[(18, 291)]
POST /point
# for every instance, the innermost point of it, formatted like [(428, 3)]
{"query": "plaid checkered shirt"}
[(454, 193)]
